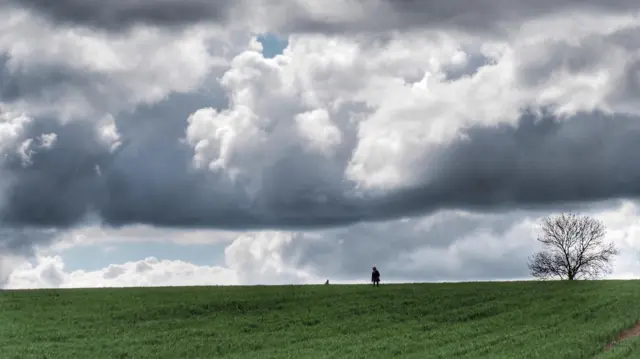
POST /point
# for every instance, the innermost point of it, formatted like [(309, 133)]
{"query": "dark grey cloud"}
[(540, 163), (57, 188), (43, 87), (19, 243), (291, 16), (38, 82), (82, 176), (120, 15), (486, 16), (546, 60)]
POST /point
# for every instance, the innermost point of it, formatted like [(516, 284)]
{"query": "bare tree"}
[(575, 249)]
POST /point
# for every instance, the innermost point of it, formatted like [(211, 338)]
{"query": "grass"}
[(459, 320)]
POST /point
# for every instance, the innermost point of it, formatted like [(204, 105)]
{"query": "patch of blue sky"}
[(272, 44), (94, 257)]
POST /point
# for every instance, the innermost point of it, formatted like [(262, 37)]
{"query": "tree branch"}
[(574, 248)]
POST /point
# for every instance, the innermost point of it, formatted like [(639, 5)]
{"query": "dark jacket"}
[(375, 276)]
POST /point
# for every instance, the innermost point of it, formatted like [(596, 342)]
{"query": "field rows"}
[(463, 320)]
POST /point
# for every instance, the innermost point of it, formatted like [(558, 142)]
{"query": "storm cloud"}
[(304, 16), (124, 14), (542, 161), (387, 111)]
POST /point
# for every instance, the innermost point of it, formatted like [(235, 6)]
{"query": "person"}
[(375, 277)]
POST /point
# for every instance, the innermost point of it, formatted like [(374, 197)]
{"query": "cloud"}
[(331, 135), (250, 259), (122, 14), (541, 161), (57, 185), (485, 18), (429, 248), (18, 244), (49, 272), (448, 246), (315, 16), (384, 148), (156, 118), (95, 234), (71, 73)]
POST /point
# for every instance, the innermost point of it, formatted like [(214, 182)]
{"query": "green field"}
[(460, 320)]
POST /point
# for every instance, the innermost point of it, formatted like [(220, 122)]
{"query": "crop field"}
[(457, 320)]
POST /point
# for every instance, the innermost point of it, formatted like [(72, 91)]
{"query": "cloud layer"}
[(449, 246), (116, 15), (313, 16), (121, 113), (323, 136)]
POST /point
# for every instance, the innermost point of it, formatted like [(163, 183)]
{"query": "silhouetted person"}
[(327, 282), (375, 277)]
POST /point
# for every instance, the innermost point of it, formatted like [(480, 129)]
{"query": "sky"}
[(193, 142)]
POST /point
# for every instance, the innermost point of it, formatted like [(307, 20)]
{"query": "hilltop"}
[(461, 320)]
